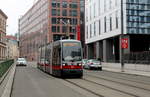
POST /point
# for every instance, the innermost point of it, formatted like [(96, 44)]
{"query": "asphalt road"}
[(31, 82)]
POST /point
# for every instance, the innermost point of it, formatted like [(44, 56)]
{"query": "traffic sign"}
[(124, 43)]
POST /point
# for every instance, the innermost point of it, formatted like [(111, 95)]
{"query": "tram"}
[(61, 58)]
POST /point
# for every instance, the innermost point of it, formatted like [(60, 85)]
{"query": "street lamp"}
[(67, 25)]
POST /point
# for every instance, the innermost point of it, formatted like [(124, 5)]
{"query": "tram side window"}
[(56, 56), (47, 55)]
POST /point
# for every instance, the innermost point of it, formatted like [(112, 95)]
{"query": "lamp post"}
[(121, 37), (67, 25)]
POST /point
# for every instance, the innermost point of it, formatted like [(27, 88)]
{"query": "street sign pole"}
[(121, 37)]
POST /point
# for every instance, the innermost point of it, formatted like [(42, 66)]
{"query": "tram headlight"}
[(64, 64), (79, 64)]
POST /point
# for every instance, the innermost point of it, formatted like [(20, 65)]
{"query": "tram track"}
[(83, 88), (121, 83), (98, 84), (123, 77), (111, 88)]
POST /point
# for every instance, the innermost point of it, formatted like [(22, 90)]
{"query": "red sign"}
[(78, 33), (124, 43)]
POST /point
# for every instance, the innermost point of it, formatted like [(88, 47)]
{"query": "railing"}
[(4, 66), (135, 58), (138, 57)]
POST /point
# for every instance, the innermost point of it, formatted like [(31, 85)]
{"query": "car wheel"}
[(100, 69)]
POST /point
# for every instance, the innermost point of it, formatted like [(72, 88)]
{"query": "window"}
[(99, 27), (58, 29), (87, 32), (94, 28), (64, 12), (53, 28), (110, 23), (105, 24), (90, 30), (64, 4), (54, 21), (116, 22), (64, 29), (54, 4), (73, 5), (73, 21), (73, 12), (54, 13)]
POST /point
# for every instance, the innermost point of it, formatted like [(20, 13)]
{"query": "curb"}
[(8, 89), (125, 72)]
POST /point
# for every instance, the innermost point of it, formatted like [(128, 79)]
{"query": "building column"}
[(97, 50), (107, 50), (90, 51), (101, 50)]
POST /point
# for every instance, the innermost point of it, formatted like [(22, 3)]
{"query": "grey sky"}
[(14, 9)]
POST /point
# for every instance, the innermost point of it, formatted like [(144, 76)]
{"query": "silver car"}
[(21, 62), (93, 64)]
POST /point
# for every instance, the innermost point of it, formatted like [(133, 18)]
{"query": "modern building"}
[(105, 24), (12, 51), (47, 21), (3, 19), (82, 25)]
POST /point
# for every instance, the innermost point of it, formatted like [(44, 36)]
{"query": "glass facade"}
[(138, 16)]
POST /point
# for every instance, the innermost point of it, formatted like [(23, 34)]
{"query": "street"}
[(31, 82)]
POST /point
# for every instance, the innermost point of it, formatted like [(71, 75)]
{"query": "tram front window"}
[(71, 52)]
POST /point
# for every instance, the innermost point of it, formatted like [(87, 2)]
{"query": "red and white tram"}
[(61, 58)]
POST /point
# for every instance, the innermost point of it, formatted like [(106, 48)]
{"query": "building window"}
[(105, 24), (73, 30), (73, 12), (110, 23), (54, 13), (64, 29), (87, 32), (64, 12), (64, 4), (116, 22), (73, 21), (58, 12), (58, 29), (73, 5), (53, 28), (99, 27), (90, 30), (54, 4), (94, 28), (54, 21)]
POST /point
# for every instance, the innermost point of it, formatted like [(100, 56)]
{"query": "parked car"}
[(93, 64), (84, 61), (21, 62)]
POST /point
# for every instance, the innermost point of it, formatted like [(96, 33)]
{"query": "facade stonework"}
[(45, 22), (3, 19)]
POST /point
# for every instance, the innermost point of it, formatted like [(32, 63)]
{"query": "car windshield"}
[(94, 60), (21, 59)]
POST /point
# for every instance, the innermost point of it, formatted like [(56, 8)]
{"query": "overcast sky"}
[(14, 9)]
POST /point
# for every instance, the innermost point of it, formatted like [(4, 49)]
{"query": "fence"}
[(4, 66), (138, 57)]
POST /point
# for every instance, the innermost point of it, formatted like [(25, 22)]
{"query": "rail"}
[(4, 66)]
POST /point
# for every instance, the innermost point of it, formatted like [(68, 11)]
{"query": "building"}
[(104, 28), (82, 25), (47, 21), (3, 19), (12, 51)]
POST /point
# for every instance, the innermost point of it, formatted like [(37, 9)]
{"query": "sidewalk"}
[(137, 69)]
